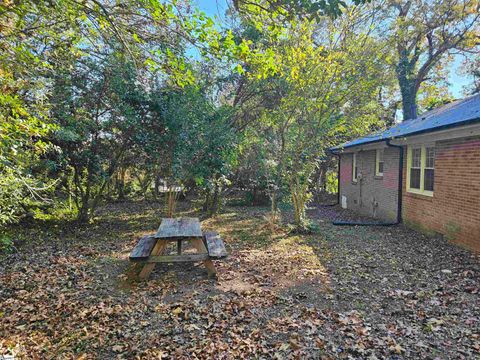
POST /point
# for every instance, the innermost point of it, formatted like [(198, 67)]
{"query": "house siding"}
[(371, 195), (454, 209)]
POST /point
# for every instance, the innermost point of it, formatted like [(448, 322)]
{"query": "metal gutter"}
[(338, 150), (430, 130)]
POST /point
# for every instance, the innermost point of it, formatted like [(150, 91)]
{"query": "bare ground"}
[(344, 292)]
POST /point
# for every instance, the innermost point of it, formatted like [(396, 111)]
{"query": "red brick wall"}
[(454, 209), (346, 169)]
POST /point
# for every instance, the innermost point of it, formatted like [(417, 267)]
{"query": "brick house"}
[(424, 172)]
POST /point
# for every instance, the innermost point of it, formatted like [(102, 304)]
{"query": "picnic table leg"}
[(157, 250), (200, 246)]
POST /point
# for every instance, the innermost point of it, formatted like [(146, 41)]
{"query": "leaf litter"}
[(352, 293)]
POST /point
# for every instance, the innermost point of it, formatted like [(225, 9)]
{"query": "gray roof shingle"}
[(456, 113)]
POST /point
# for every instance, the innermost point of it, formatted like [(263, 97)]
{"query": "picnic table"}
[(150, 248)]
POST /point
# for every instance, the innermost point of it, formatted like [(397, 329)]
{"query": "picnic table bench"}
[(150, 248)]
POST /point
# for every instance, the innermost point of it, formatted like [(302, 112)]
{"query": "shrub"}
[(18, 195), (6, 244)]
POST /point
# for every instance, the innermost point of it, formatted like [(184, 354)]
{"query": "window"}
[(379, 162), (421, 169), (416, 168), (429, 169), (354, 167)]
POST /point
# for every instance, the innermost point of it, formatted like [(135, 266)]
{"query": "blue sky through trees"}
[(457, 82)]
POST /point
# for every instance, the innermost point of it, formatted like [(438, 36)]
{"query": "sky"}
[(213, 7), (456, 81)]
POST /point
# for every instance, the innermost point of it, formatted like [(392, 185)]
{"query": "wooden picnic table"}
[(150, 248)]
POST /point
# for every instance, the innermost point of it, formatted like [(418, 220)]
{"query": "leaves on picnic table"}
[(288, 297)]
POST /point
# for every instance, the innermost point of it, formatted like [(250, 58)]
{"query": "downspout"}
[(400, 179), (338, 178)]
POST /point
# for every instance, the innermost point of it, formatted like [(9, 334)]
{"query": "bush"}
[(18, 195), (6, 244), (12, 198), (332, 182)]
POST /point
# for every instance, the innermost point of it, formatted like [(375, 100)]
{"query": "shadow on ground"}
[(344, 292)]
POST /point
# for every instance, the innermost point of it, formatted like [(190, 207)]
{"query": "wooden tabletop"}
[(179, 228)]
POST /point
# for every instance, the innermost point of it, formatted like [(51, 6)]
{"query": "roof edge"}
[(443, 127)]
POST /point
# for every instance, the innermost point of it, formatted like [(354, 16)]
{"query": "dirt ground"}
[(69, 292)]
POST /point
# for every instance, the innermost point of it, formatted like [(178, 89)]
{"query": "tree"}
[(424, 33), (102, 113), (57, 51), (203, 144), (311, 9), (329, 74), (471, 68)]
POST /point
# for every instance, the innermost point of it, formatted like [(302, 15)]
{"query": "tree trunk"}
[(84, 210), (156, 192), (299, 193), (323, 177), (211, 206), (409, 99), (121, 184), (216, 200), (409, 85), (171, 201)]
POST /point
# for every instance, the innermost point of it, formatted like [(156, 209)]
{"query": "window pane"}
[(379, 162), (416, 158), (415, 178), (380, 167), (428, 180), (430, 157)]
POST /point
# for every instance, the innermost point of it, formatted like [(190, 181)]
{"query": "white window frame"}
[(423, 153), (377, 161)]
